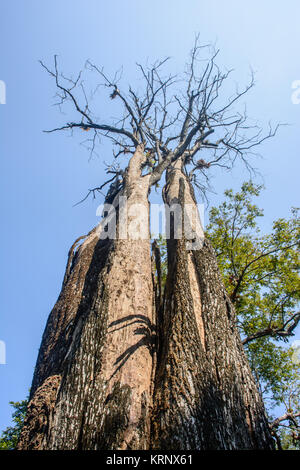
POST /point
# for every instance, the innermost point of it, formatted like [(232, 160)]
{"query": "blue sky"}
[(43, 175)]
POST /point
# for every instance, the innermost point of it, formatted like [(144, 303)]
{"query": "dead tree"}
[(107, 352)]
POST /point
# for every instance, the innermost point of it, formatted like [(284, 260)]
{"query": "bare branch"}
[(286, 417), (285, 330)]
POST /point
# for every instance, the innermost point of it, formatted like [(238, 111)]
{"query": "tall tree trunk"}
[(92, 383), (105, 380), (205, 396)]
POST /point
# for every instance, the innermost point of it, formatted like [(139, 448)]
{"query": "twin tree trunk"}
[(120, 367)]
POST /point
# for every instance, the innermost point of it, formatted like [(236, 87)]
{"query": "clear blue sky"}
[(44, 175)]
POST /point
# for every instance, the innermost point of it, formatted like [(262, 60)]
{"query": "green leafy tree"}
[(10, 435), (261, 275)]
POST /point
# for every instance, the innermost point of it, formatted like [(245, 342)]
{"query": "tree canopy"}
[(171, 116)]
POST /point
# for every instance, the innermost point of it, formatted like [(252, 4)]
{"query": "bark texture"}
[(205, 396), (122, 367), (92, 383)]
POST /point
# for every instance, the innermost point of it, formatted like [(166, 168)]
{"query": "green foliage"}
[(261, 272), (289, 439), (10, 435)]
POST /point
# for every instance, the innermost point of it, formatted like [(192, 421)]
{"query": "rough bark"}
[(92, 383), (121, 367), (205, 396)]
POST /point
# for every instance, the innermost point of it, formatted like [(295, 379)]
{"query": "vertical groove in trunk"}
[(92, 383), (205, 395)]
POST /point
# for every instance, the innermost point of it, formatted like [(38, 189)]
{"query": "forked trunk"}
[(92, 382), (205, 395), (105, 380)]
